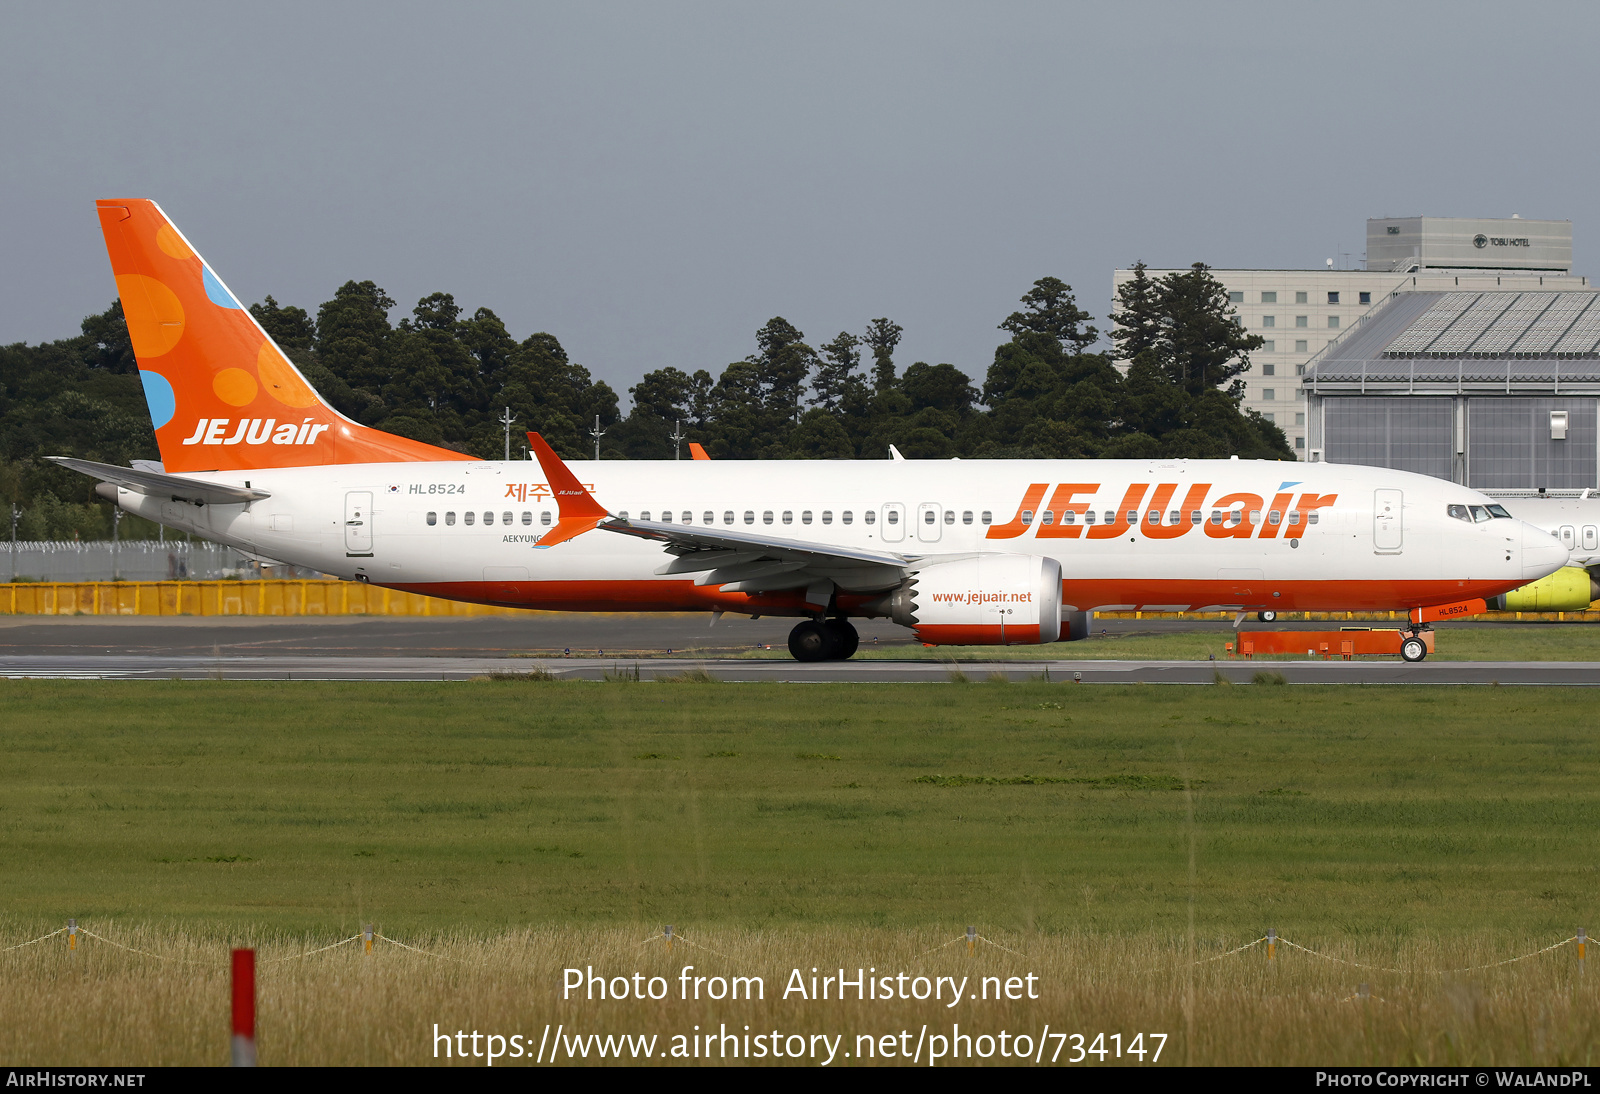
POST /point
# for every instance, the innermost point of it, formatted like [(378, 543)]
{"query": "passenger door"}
[(1388, 531), (928, 521), (358, 523)]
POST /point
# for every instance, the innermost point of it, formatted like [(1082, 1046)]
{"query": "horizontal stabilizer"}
[(158, 484)]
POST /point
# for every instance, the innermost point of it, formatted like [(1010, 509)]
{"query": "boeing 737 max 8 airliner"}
[(961, 552)]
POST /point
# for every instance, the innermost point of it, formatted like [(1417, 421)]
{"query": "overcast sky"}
[(651, 182)]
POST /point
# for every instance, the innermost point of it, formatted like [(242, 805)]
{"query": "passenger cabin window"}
[(622, 514), (788, 516), (1047, 517), (1274, 517), (966, 516), (1294, 516), (1195, 516), (466, 518), (749, 516), (987, 517), (527, 517), (666, 516), (708, 517), (644, 514), (544, 518), (1133, 516), (1313, 516), (505, 518), (488, 519), (688, 517), (433, 518), (1068, 517), (805, 516), (930, 517), (869, 517), (1216, 516), (1088, 517), (766, 516), (449, 519), (1255, 516), (827, 516), (727, 517), (950, 516), (1153, 516), (846, 517), (1027, 516)]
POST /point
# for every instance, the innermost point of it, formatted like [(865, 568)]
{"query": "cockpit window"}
[(1480, 514), (1459, 512), (1498, 511)]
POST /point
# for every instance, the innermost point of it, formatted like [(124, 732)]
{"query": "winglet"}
[(697, 452), (578, 510)]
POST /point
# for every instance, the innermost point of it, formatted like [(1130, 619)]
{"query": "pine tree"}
[(883, 336), (1138, 322)]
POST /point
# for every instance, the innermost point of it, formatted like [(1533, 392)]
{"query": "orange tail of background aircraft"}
[(222, 395)]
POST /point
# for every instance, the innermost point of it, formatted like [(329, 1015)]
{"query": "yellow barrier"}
[(280, 598), (321, 597)]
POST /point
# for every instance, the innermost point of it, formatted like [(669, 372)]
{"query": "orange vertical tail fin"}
[(222, 395)]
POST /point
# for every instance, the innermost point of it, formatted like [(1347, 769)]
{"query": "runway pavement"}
[(171, 667), (388, 648)]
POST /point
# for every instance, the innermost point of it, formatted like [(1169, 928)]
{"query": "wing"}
[(750, 562), (160, 484)]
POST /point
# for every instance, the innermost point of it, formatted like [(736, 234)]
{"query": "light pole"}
[(16, 515), (506, 421), (597, 433), (116, 524), (677, 438)]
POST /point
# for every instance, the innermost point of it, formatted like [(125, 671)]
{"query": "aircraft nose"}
[(1542, 553)]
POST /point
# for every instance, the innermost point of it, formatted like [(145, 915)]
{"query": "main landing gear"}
[(823, 640)]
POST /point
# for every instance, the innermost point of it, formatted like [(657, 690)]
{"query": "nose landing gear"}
[(1413, 649), (823, 640)]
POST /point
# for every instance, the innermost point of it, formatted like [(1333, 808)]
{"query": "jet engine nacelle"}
[(990, 600), (1569, 589)]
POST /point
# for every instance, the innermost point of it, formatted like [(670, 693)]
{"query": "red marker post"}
[(244, 1008)]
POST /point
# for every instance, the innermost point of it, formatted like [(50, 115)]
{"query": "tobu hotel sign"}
[(1481, 241)]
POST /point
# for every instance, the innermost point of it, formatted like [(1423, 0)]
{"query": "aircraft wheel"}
[(1266, 617), (845, 638), (1413, 649), (810, 641)]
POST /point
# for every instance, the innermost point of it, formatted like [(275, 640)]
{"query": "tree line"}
[(445, 377)]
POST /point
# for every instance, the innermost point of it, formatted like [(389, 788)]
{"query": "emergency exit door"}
[(1388, 530), (358, 522)]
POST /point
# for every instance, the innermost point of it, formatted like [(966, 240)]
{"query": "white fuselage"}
[(469, 531)]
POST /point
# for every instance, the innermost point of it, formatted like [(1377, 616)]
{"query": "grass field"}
[(1418, 828)]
